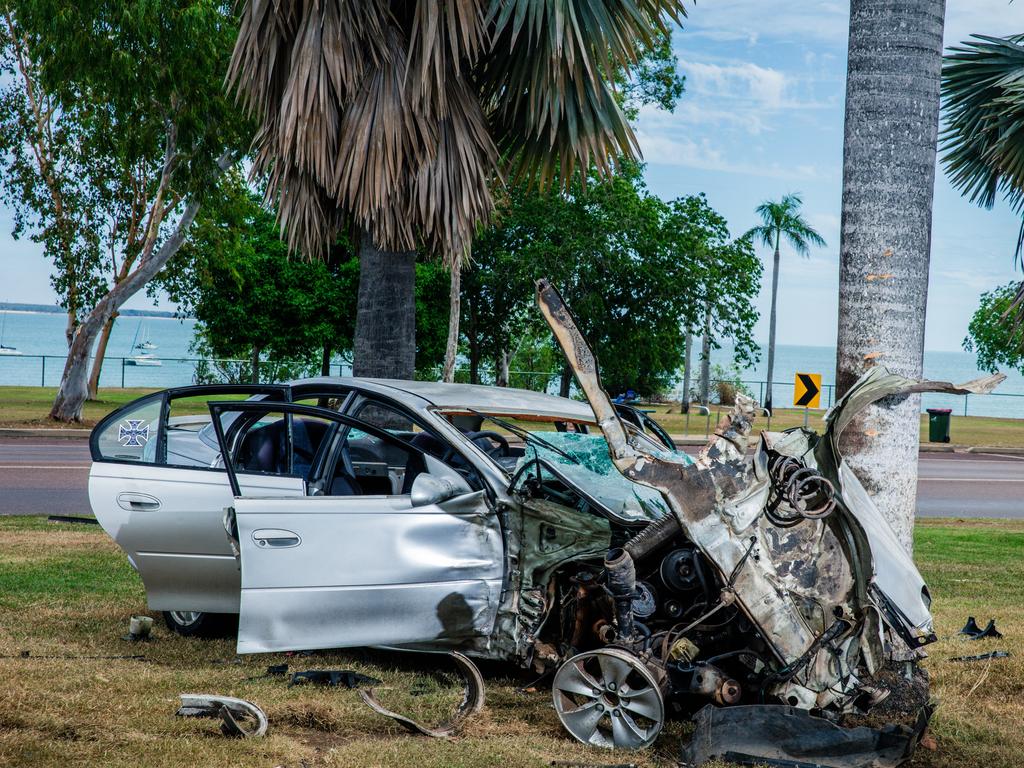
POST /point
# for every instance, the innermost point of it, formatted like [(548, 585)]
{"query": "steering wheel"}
[(501, 449)]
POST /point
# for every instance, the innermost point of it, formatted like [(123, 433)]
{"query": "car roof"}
[(479, 397)]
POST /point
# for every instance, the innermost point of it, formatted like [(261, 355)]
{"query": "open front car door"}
[(389, 547)]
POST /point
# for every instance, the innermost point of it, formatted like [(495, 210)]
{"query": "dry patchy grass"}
[(66, 593)]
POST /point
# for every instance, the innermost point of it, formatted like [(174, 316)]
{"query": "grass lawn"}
[(29, 406), (67, 592)]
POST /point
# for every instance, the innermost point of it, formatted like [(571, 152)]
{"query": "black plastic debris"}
[(971, 628), (974, 632), (331, 677), (983, 656), (989, 631), (776, 735), (73, 519)]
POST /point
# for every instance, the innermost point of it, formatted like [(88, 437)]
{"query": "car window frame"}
[(165, 396), (349, 422)]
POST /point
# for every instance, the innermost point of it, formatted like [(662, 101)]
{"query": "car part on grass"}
[(989, 632), (777, 735), (973, 632), (971, 628), (330, 677), (609, 698), (472, 702), (239, 718), (139, 628), (983, 656)]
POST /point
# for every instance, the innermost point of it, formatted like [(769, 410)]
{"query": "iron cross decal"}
[(133, 433)]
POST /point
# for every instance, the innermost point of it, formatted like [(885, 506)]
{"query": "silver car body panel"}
[(335, 572), (168, 520)]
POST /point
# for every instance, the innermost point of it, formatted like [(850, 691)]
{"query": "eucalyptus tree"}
[(132, 126), (889, 150), (779, 220), (983, 136), (397, 118)]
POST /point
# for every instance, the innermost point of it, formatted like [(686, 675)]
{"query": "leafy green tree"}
[(280, 314), (124, 103), (997, 342), (397, 118), (781, 220), (637, 272)]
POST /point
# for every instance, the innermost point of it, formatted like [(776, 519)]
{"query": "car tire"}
[(200, 624)]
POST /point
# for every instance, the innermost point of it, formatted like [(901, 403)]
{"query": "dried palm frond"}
[(394, 116)]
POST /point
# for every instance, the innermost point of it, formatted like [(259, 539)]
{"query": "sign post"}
[(807, 392)]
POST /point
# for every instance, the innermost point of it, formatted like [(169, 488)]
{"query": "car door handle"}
[(134, 502), (276, 538)]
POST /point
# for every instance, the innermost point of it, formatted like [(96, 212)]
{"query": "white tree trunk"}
[(768, 403), (892, 108), (705, 359), (454, 311)]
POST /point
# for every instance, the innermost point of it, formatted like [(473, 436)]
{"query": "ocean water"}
[(41, 334), (957, 367)]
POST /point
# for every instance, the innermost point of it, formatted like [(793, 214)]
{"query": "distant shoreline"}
[(46, 309)]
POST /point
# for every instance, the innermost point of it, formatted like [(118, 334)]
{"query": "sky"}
[(762, 116)]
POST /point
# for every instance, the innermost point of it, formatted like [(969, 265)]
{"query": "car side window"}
[(273, 442), (364, 464), (133, 435)]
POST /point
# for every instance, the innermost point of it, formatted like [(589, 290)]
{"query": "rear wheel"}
[(200, 624)]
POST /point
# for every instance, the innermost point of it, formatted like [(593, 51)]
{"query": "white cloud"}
[(755, 21), (744, 80), (684, 152)]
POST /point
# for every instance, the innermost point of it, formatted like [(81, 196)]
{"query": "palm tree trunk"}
[(385, 338), (771, 328), (892, 109), (98, 357), (688, 357), (454, 312)]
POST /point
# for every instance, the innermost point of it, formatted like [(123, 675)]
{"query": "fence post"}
[(122, 373), (965, 404), (42, 377)]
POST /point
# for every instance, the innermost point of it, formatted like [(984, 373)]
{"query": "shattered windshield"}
[(584, 460)]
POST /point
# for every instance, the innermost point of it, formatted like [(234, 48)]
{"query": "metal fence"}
[(125, 372)]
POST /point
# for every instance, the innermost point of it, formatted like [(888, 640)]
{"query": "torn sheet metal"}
[(775, 735), (239, 718), (472, 702), (823, 583)]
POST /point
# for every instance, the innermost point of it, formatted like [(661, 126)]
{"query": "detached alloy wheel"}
[(196, 623), (608, 698)]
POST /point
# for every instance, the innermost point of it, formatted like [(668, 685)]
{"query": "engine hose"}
[(652, 537), (621, 583)]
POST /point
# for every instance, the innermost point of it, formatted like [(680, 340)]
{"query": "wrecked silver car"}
[(508, 525)]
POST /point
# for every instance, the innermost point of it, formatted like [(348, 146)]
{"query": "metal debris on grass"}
[(472, 702), (239, 718)]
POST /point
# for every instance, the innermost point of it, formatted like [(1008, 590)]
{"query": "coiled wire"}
[(798, 492)]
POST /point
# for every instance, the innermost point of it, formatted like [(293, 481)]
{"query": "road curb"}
[(65, 434)]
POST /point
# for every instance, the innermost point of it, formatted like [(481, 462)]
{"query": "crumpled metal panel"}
[(821, 617)]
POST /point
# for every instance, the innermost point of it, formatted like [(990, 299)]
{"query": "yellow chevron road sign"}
[(807, 390)]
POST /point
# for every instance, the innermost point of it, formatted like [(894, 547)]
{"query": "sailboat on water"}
[(144, 358), (9, 351), (146, 345)]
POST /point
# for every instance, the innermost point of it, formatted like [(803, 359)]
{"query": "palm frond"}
[(395, 117), (983, 130)]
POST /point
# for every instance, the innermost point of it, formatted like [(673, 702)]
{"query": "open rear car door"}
[(158, 487), (391, 547)]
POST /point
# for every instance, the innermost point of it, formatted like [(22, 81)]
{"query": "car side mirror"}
[(427, 489)]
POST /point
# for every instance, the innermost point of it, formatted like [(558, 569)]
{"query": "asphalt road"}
[(50, 477)]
